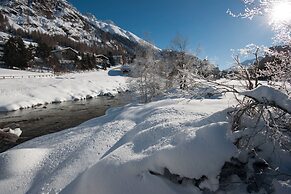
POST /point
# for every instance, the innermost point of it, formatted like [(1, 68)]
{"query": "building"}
[(65, 53), (102, 61), (66, 56)]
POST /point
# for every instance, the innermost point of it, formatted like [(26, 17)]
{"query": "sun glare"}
[(281, 12)]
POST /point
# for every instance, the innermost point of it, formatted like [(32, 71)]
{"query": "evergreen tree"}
[(16, 54), (43, 50), (79, 62), (3, 22), (92, 62), (111, 59)]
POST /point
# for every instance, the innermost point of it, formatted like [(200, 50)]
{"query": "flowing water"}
[(51, 118)]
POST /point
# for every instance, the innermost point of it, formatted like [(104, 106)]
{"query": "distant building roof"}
[(102, 56), (65, 49)]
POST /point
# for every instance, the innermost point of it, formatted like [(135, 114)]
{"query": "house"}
[(102, 61), (101, 58), (66, 56), (65, 53)]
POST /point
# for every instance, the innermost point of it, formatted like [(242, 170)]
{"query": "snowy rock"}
[(10, 135)]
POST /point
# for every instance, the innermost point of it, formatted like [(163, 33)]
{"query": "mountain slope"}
[(58, 17)]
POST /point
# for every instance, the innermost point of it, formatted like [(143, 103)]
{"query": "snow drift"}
[(170, 146), (127, 151)]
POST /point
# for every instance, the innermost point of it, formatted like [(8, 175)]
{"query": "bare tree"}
[(183, 65), (249, 73), (261, 121), (277, 68), (148, 82), (157, 72)]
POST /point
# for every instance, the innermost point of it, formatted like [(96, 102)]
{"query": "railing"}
[(25, 76)]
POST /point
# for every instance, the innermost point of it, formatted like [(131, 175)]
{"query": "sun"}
[(281, 12)]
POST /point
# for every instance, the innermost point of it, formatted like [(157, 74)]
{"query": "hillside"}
[(59, 18)]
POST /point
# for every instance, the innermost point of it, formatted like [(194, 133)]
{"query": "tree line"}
[(18, 55)]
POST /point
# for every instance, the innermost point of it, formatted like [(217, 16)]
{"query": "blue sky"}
[(203, 22)]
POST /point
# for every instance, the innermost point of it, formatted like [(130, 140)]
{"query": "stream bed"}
[(50, 118)]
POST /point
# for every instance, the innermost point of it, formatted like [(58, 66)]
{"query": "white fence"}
[(25, 76)]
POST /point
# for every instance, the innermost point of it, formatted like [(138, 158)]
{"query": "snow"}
[(113, 29), (266, 94), (110, 27), (4, 36), (115, 153), (16, 131), (138, 148), (19, 73), (282, 187), (10, 135), (61, 25), (19, 162), (32, 88)]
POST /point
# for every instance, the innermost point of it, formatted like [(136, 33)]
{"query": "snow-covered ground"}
[(31, 88), (121, 151), (171, 146), (10, 73)]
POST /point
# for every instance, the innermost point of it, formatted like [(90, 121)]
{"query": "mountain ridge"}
[(62, 18)]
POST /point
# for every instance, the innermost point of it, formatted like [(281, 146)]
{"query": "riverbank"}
[(28, 91)]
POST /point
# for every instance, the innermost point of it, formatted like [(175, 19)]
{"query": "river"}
[(50, 118)]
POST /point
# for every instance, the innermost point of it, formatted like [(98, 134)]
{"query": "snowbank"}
[(127, 151), (191, 154), (29, 91), (19, 74)]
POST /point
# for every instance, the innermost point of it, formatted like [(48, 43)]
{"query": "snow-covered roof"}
[(101, 56), (65, 49)]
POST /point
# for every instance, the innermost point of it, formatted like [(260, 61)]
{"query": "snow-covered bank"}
[(19, 73), (116, 153), (29, 91)]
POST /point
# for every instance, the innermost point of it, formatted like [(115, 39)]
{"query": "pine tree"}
[(4, 23), (30, 53), (43, 50), (16, 54), (111, 59)]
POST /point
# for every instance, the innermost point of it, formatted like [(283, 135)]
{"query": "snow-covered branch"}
[(270, 97)]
